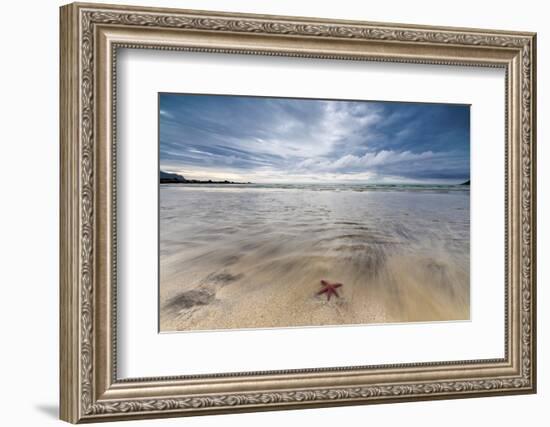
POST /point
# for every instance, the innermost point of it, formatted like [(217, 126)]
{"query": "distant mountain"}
[(466, 183), (169, 178), (174, 178)]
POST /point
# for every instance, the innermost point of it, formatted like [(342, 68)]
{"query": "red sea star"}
[(329, 289)]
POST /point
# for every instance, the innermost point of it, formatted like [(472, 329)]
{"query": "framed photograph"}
[(266, 212)]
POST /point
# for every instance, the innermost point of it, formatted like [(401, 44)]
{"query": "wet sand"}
[(235, 257)]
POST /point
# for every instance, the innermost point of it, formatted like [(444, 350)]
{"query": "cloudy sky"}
[(298, 140)]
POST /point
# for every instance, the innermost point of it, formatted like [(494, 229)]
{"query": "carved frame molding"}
[(90, 37)]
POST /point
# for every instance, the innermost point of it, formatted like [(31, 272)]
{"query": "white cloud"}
[(291, 138), (368, 160)]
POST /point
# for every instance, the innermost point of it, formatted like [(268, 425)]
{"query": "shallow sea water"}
[(250, 256)]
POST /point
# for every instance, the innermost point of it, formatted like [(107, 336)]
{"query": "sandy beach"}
[(235, 257)]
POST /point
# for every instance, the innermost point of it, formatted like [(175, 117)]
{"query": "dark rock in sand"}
[(225, 277), (191, 299)]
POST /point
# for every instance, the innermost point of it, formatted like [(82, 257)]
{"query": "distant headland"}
[(466, 183), (174, 178)]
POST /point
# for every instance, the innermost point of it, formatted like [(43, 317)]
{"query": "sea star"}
[(329, 289)]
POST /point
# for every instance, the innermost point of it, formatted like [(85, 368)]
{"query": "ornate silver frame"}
[(90, 36)]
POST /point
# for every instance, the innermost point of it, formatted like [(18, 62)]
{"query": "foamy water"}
[(253, 256)]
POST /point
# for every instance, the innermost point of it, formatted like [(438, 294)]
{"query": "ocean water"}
[(253, 256)]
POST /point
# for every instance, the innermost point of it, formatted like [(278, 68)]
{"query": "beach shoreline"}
[(254, 257)]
